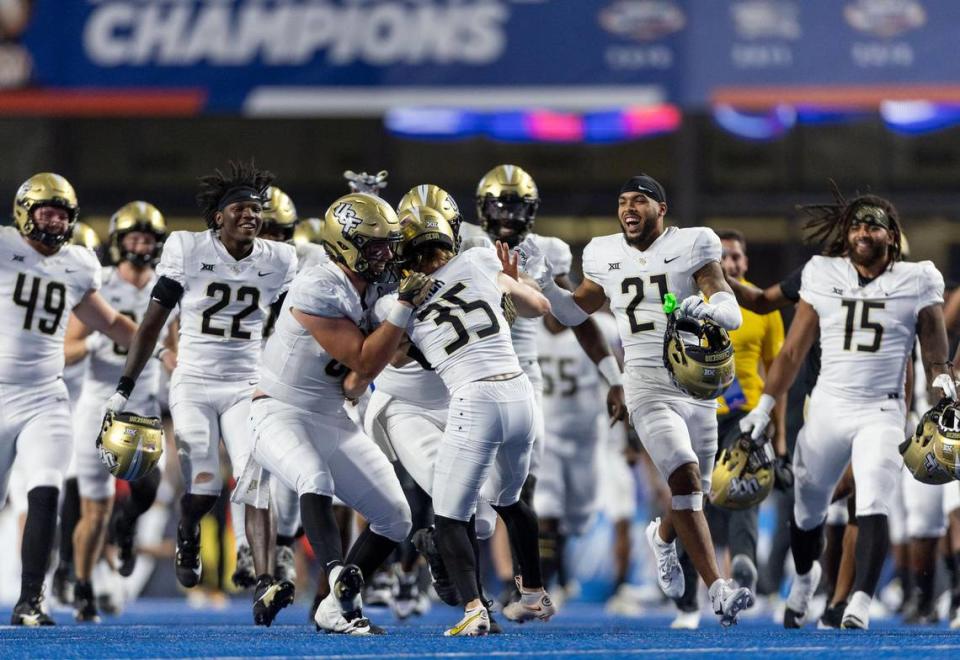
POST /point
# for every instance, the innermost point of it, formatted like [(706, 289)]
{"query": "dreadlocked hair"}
[(214, 186), (827, 225)]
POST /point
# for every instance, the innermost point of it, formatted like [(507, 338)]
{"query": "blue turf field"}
[(170, 628)]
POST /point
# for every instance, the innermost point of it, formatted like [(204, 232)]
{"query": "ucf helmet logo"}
[(108, 458), (347, 217), (740, 486)]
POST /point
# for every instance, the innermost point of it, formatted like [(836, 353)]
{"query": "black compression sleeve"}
[(791, 285), (167, 292)]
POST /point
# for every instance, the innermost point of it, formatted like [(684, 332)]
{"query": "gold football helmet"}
[(946, 439), (85, 235), (743, 475), (130, 445), (279, 215), (362, 232), (918, 451), (136, 216), (436, 198), (44, 189), (507, 200), (308, 231), (422, 225), (699, 357)]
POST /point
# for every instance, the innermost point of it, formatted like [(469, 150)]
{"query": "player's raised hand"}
[(510, 261)]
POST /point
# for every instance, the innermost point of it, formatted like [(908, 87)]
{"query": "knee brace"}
[(691, 502)]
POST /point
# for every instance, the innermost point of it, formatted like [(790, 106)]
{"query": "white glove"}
[(756, 421), (116, 403), (694, 307), (946, 384), (533, 262)]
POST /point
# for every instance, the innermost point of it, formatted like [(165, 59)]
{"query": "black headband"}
[(645, 184), (239, 194)]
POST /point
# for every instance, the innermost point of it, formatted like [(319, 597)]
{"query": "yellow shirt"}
[(760, 337)]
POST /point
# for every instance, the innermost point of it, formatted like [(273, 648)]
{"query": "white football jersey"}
[(472, 236), (413, 383), (36, 296), (295, 368), (636, 282), (867, 331), (225, 302), (524, 331), (105, 363), (571, 388), (460, 328)]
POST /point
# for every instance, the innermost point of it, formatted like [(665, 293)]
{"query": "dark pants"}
[(734, 530)]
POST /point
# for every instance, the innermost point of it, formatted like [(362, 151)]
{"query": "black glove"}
[(783, 472)]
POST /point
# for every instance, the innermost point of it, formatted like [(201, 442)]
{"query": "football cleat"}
[(30, 613), (801, 591), (85, 604), (63, 583), (669, 573), (475, 623), (856, 616), (425, 543), (341, 612), (189, 567), (244, 576), (124, 535), (270, 597), (686, 620), (406, 593), (832, 616), (532, 605), (379, 592), (729, 600), (284, 564), (744, 572)]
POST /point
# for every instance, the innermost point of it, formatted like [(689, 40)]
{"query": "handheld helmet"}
[(130, 445), (946, 439), (743, 475), (136, 216), (507, 198), (44, 189), (699, 356), (918, 450), (355, 227), (279, 214)]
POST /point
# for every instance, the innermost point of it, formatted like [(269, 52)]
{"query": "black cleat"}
[(270, 597), (347, 590), (244, 577), (123, 536), (63, 583), (85, 604), (495, 627), (793, 620), (425, 543), (832, 616), (30, 613), (188, 559)]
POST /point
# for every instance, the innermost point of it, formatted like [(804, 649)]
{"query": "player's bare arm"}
[(529, 302), (595, 345), (757, 300), (144, 342), (97, 314), (75, 341), (343, 340), (934, 347)]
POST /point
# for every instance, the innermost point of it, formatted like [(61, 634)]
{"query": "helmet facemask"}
[(508, 212)]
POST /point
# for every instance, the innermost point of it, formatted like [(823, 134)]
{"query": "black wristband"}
[(126, 385)]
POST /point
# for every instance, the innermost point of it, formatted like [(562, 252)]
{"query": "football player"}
[(868, 306), (224, 279), (43, 279), (137, 232), (279, 224), (489, 433), (507, 202), (635, 270), (302, 434), (407, 415)]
